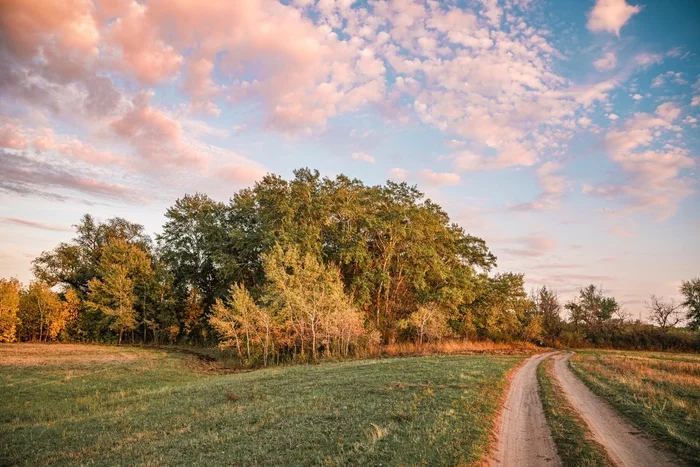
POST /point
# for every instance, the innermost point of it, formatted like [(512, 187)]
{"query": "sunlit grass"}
[(140, 406), (657, 392)]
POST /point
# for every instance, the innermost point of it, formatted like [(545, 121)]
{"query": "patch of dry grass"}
[(455, 347)]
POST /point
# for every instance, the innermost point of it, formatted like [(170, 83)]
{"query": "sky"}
[(564, 133)]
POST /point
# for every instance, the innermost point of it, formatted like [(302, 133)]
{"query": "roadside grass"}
[(574, 442), (657, 392), (108, 405)]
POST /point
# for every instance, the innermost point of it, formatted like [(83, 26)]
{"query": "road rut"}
[(523, 438), (624, 444)]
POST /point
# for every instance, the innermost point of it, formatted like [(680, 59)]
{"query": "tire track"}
[(623, 443), (524, 438)]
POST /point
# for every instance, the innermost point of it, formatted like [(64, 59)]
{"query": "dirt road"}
[(624, 444), (523, 436)]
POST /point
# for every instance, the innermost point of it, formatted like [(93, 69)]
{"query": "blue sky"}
[(563, 133)]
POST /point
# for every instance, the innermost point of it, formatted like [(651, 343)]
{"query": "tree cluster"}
[(291, 269)]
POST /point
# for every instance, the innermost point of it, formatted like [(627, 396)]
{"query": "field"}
[(85, 404), (658, 392), (573, 441)]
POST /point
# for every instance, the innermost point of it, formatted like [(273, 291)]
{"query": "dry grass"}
[(659, 393), (455, 347), (66, 355)]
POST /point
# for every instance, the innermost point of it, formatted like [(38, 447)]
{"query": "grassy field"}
[(73, 404), (658, 392), (574, 443)]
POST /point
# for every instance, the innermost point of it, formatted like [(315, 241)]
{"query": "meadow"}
[(123, 405), (657, 392)]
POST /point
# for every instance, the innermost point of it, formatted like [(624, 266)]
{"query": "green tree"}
[(549, 309), (114, 297), (124, 276), (691, 300), (9, 308)]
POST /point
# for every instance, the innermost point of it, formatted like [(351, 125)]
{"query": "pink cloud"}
[(157, 138), (620, 232), (241, 174), (12, 137), (36, 225), (429, 177)]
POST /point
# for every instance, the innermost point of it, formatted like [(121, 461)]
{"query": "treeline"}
[(290, 270)]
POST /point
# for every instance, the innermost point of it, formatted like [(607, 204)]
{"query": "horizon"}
[(564, 135)]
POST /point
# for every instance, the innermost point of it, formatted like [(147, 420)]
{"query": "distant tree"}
[(666, 314), (502, 309), (430, 322), (691, 300), (9, 308), (547, 304), (594, 312)]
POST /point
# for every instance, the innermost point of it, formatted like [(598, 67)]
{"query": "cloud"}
[(620, 232), (606, 63), (241, 174), (26, 176), (398, 173), (12, 137), (429, 177), (553, 184), (530, 246), (35, 225), (610, 15), (654, 176), (363, 156), (637, 97), (157, 139)]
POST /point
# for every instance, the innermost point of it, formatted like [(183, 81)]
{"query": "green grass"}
[(126, 405), (657, 392), (574, 443)]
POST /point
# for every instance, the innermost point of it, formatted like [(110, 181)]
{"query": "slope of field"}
[(71, 404), (658, 392)]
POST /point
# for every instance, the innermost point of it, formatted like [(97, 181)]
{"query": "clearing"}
[(89, 404)]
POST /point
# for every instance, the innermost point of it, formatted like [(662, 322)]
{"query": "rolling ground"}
[(108, 405), (76, 404)]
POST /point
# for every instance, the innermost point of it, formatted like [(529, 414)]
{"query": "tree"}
[(691, 300), (190, 245), (307, 296), (9, 307), (547, 305), (42, 313), (665, 314), (430, 322), (114, 297), (241, 319)]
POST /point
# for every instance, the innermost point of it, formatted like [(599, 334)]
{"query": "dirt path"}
[(523, 436), (624, 444)]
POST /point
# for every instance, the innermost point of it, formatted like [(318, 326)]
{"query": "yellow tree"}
[(9, 306), (114, 296)]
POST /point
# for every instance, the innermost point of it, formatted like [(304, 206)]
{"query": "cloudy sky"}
[(565, 133)]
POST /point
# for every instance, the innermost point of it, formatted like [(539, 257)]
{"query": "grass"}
[(75, 404), (657, 392), (574, 443)]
